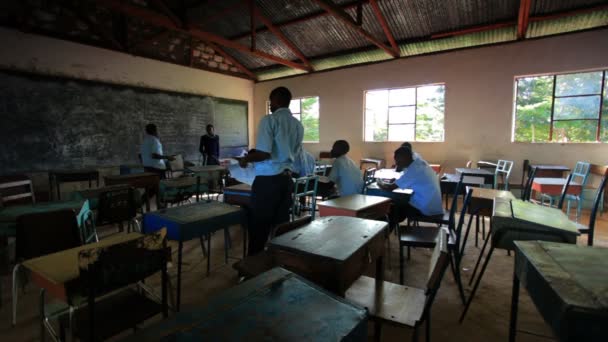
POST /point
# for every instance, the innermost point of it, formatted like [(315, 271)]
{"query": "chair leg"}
[(400, 264), (204, 249), (415, 334), (377, 330), (41, 304), (483, 227), (15, 292), (483, 269), (485, 243), (456, 272), (428, 327), (477, 230), (408, 253), (466, 235)]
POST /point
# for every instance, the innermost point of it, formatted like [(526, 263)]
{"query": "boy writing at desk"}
[(345, 174)]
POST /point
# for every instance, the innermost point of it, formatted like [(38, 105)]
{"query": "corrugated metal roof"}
[(567, 24), (551, 6), (284, 10)]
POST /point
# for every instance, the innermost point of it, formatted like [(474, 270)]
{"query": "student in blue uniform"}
[(279, 143), (152, 156), (304, 164), (345, 174), (420, 177)]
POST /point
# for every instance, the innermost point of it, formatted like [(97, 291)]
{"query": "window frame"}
[(554, 76), (388, 107), (299, 114)]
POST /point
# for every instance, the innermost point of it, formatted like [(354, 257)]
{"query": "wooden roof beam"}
[(523, 18), (277, 32), (233, 61), (160, 20), (339, 14), (162, 6), (384, 24)]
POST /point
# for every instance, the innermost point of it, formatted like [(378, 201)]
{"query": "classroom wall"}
[(38, 54), (479, 99)]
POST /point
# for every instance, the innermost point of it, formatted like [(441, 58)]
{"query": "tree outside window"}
[(565, 108), (306, 110), (405, 114)]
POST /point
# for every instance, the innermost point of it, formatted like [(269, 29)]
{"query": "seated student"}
[(420, 177), (152, 156), (345, 174), (415, 154)]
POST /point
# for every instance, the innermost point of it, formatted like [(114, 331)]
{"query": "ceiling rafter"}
[(150, 39), (382, 21), (339, 14), (233, 61), (162, 6), (160, 20), (523, 18), (80, 14), (299, 19), (277, 32)]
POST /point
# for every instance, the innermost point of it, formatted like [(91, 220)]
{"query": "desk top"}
[(378, 189), (71, 172), (61, 267), (238, 188), (554, 181), (11, 213), (470, 171), (387, 174), (490, 194), (466, 180), (195, 212), (275, 306), (206, 168), (534, 214), (131, 176), (354, 202), (568, 284), (181, 182), (332, 237), (550, 167)]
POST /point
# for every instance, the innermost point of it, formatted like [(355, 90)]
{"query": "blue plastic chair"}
[(503, 167), (580, 175)]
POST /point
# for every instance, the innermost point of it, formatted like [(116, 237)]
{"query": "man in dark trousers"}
[(210, 147), (279, 143)]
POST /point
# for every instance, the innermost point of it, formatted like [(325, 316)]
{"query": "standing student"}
[(210, 147), (345, 174), (279, 143), (152, 156), (420, 177)]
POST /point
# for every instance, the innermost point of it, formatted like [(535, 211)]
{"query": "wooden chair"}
[(40, 234), (17, 190), (402, 305), (304, 190), (253, 265), (376, 162), (117, 206), (108, 275), (368, 177)]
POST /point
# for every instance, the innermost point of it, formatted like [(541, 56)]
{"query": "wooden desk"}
[(517, 220), (56, 177), (126, 169), (363, 206), (148, 181), (376, 162), (9, 215), (397, 195), (209, 174), (569, 286), (549, 170), (482, 200), (481, 173), (181, 187), (58, 273), (554, 186), (332, 251), (92, 195), (448, 183), (275, 306), (239, 194), (191, 221)]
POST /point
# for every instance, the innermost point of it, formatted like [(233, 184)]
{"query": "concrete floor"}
[(487, 320)]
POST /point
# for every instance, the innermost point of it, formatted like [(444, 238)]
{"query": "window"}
[(305, 109), (405, 114), (562, 108)]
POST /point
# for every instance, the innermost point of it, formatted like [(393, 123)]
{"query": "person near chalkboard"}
[(152, 156), (210, 147)]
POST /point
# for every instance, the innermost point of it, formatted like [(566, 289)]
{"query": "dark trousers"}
[(270, 204), (211, 160), (401, 211)]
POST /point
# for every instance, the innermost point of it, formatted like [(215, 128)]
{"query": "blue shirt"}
[(347, 176), (305, 164), (281, 135), (421, 178), (149, 146)]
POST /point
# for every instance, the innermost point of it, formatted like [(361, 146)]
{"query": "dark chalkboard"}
[(50, 122)]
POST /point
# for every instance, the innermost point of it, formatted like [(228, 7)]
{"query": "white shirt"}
[(347, 176), (151, 145), (305, 164), (421, 178), (281, 135)]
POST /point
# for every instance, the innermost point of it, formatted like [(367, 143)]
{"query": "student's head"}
[(340, 148), (403, 157), (279, 98), (408, 145), (151, 129), (210, 129)]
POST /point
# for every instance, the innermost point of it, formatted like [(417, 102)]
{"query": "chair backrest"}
[(116, 205), (45, 233), (454, 206), (503, 168), (176, 166), (580, 173), (16, 189), (321, 168), (289, 226), (305, 187), (369, 176), (106, 269), (562, 197), (596, 204), (438, 265), (525, 171), (527, 190), (324, 155)]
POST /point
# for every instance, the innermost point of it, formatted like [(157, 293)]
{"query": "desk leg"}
[(514, 304), (208, 253), (42, 316), (179, 274), (379, 284)]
